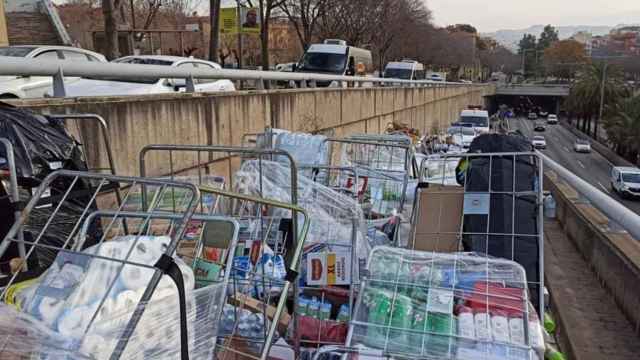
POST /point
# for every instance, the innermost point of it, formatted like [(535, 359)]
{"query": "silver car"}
[(582, 146)]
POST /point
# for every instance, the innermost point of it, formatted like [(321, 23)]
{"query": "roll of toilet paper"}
[(73, 322), (135, 277), (49, 309)]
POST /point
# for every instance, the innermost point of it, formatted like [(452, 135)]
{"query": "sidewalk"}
[(590, 324)]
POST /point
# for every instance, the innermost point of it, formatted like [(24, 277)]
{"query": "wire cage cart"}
[(444, 306), (10, 182), (343, 179), (384, 165), (97, 274), (261, 275), (490, 203)]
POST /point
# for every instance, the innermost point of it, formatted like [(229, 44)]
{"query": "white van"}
[(625, 180), (405, 69), (479, 119), (335, 57)]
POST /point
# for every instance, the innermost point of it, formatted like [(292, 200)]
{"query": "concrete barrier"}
[(613, 256), (223, 118)]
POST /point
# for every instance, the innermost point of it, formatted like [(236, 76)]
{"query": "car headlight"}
[(625, 187)]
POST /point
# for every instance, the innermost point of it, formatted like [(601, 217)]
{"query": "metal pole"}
[(239, 29), (604, 77)]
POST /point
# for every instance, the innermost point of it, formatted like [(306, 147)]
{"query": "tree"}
[(462, 28), (266, 7), (548, 36), (584, 97), (500, 59), (304, 15), (111, 50), (527, 48), (214, 32), (623, 127), (563, 58)]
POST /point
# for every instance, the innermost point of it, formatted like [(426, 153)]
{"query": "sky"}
[(491, 15)]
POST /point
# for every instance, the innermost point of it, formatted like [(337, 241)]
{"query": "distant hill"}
[(510, 38)]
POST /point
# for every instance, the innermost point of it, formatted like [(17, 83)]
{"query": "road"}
[(591, 167)]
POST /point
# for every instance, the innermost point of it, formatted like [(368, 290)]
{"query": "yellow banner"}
[(249, 18)]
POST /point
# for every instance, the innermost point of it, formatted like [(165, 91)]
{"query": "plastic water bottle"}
[(303, 305), (549, 207), (343, 315), (325, 311), (313, 309)]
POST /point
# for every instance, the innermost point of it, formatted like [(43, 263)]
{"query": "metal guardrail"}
[(14, 66), (614, 210)]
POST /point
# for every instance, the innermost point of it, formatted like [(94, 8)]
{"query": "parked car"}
[(139, 86), (538, 126), (552, 119), (533, 116), (18, 87), (625, 180), (538, 142), (435, 77), (582, 146)]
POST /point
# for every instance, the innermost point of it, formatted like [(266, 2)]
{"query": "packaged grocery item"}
[(329, 268)]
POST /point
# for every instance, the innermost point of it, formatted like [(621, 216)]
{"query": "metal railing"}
[(14, 66), (625, 218)]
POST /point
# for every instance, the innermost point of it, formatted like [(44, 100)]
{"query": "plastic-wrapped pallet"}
[(446, 306), (306, 149), (331, 213), (89, 301)]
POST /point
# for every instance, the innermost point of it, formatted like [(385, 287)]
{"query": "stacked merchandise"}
[(89, 301), (445, 306)]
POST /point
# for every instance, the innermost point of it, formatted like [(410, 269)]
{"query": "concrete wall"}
[(613, 255), (222, 119)]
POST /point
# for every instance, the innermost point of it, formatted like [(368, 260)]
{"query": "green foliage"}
[(548, 36), (623, 126)]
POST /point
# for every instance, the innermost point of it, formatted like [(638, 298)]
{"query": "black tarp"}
[(513, 210), (41, 145)]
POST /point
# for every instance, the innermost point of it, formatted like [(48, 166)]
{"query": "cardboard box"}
[(438, 219), (329, 268)]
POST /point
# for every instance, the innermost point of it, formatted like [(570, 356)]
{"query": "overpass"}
[(533, 90)]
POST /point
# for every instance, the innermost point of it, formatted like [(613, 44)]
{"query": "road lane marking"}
[(581, 164), (603, 187), (566, 148)]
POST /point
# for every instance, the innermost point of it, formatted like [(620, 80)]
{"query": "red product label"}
[(497, 298)]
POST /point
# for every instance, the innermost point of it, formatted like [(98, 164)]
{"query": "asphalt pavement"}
[(591, 167)]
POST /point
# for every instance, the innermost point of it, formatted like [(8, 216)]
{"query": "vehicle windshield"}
[(396, 73), (582, 142), (538, 138), (631, 177), (323, 62), (460, 130), (135, 60), (477, 121), (15, 51)]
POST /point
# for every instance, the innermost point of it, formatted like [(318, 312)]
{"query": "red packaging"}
[(496, 297)]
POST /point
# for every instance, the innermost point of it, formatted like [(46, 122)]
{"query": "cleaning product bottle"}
[(466, 327)]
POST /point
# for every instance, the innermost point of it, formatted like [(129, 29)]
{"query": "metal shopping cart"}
[(489, 203)]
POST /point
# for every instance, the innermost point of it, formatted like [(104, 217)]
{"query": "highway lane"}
[(591, 167)]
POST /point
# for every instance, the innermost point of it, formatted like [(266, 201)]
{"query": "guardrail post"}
[(190, 85), (303, 84), (292, 84), (59, 89), (312, 83), (260, 84)]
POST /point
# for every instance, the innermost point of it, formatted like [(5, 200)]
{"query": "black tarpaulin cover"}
[(39, 142), (41, 145)]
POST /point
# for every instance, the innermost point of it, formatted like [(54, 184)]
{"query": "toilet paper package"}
[(89, 301)]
